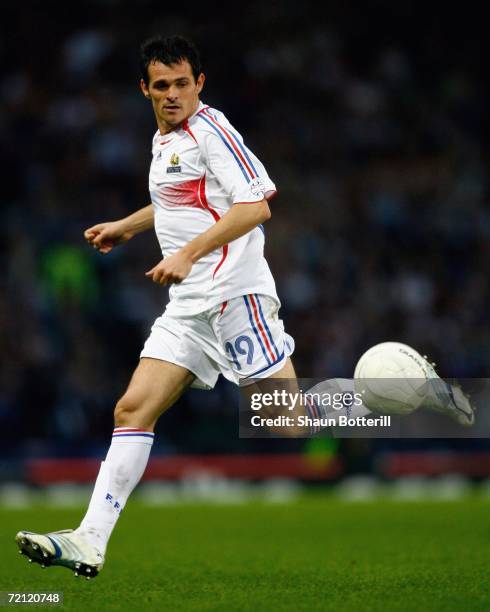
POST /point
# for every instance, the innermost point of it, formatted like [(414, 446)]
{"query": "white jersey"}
[(197, 173)]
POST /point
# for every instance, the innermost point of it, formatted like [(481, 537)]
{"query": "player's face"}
[(173, 91)]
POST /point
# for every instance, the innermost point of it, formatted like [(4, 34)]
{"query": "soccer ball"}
[(392, 378)]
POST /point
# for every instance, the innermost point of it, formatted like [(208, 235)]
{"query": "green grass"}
[(313, 554)]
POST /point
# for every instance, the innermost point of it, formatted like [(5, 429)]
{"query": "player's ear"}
[(144, 89), (200, 82)]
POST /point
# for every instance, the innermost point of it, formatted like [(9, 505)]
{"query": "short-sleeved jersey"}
[(198, 172)]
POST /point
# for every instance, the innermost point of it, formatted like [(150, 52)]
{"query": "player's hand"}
[(105, 236), (173, 269)]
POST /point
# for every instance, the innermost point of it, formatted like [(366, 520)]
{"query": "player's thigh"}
[(287, 372), (153, 388), (285, 380), (282, 380)]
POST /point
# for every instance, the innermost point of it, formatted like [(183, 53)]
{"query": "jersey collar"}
[(199, 108)]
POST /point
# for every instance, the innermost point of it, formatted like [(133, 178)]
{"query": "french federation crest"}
[(174, 164)]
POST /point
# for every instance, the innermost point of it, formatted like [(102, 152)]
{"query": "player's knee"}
[(125, 411)]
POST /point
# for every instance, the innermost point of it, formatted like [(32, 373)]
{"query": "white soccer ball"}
[(392, 378)]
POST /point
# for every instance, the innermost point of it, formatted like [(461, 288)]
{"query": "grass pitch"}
[(312, 554)]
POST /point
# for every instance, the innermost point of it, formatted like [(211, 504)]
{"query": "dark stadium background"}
[(373, 121)]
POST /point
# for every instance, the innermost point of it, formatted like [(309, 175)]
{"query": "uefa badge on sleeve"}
[(257, 187), (174, 164)]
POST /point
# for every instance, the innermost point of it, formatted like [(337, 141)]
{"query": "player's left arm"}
[(239, 220)]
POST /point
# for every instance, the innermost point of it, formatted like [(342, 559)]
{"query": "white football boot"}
[(66, 548), (447, 399)]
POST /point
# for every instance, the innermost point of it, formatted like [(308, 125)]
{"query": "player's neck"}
[(165, 128)]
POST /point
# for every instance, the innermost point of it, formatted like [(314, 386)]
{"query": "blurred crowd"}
[(376, 139)]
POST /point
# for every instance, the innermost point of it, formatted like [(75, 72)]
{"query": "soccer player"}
[(209, 197)]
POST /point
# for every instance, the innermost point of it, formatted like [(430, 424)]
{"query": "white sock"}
[(121, 471), (340, 390)]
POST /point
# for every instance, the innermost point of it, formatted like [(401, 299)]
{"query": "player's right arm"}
[(105, 236)]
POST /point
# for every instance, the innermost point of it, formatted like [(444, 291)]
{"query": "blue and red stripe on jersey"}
[(233, 144)]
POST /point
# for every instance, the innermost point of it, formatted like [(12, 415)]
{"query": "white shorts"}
[(242, 338)]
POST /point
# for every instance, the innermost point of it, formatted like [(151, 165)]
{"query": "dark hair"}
[(169, 50)]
